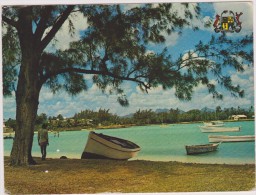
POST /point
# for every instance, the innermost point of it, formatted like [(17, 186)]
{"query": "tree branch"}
[(194, 58), (41, 25), (9, 21), (56, 27), (96, 72)]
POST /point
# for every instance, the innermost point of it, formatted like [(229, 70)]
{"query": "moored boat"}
[(100, 146), (214, 124), (8, 137), (208, 129), (228, 138), (199, 149)]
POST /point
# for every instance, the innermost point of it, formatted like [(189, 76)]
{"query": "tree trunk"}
[(27, 100), (29, 85), (27, 94)]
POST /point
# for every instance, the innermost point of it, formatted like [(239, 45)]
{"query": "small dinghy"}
[(211, 129), (227, 138), (199, 149)]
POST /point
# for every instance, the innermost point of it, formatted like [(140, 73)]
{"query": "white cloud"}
[(245, 80), (45, 95), (63, 36), (9, 107), (172, 39), (130, 6), (4, 29)]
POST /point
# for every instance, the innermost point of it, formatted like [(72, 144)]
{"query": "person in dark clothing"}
[(43, 140)]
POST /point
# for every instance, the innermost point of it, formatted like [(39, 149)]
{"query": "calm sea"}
[(158, 143)]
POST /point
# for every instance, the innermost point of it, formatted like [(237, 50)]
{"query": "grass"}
[(59, 176)]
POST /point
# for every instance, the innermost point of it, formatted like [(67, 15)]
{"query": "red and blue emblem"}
[(227, 22)]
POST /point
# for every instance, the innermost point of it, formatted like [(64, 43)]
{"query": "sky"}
[(94, 99)]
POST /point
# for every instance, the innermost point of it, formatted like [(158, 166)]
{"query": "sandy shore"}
[(8, 134), (58, 176)]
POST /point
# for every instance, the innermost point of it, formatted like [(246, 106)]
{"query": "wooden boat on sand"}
[(100, 146), (209, 129), (227, 138), (199, 149)]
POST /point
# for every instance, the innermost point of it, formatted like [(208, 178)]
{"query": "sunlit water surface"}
[(158, 143)]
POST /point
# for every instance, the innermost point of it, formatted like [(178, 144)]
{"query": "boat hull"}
[(207, 129), (100, 146), (199, 149), (214, 124), (226, 138)]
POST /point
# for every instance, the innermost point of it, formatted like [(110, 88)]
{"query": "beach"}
[(69, 176)]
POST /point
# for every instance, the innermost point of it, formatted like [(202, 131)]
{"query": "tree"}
[(114, 49), (60, 117), (10, 123), (41, 119)]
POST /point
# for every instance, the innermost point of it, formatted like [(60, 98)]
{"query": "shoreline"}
[(134, 125), (119, 126), (153, 161)]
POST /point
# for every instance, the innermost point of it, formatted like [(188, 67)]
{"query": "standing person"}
[(43, 140)]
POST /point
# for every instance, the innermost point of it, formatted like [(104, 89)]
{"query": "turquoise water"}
[(158, 143)]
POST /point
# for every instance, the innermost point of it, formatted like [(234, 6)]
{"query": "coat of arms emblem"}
[(228, 22)]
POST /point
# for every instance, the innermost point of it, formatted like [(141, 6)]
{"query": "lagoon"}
[(157, 142)]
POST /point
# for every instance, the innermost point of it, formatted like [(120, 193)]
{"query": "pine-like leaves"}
[(114, 48)]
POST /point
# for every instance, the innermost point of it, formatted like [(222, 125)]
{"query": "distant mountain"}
[(162, 110), (181, 111), (127, 116), (159, 110), (205, 109)]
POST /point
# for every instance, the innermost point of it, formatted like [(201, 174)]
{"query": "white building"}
[(238, 117)]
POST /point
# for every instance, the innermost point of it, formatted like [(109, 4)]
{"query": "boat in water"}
[(199, 149), (214, 124), (228, 138), (8, 135), (209, 129), (100, 146)]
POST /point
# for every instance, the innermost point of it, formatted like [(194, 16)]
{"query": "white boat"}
[(214, 124), (199, 149), (206, 129), (100, 146), (227, 138)]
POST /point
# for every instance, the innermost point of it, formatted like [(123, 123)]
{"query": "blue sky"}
[(93, 99)]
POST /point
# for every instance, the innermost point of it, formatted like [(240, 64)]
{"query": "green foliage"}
[(92, 119), (41, 119), (10, 123), (11, 57), (114, 49)]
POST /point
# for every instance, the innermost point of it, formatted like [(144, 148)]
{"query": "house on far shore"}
[(238, 117)]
